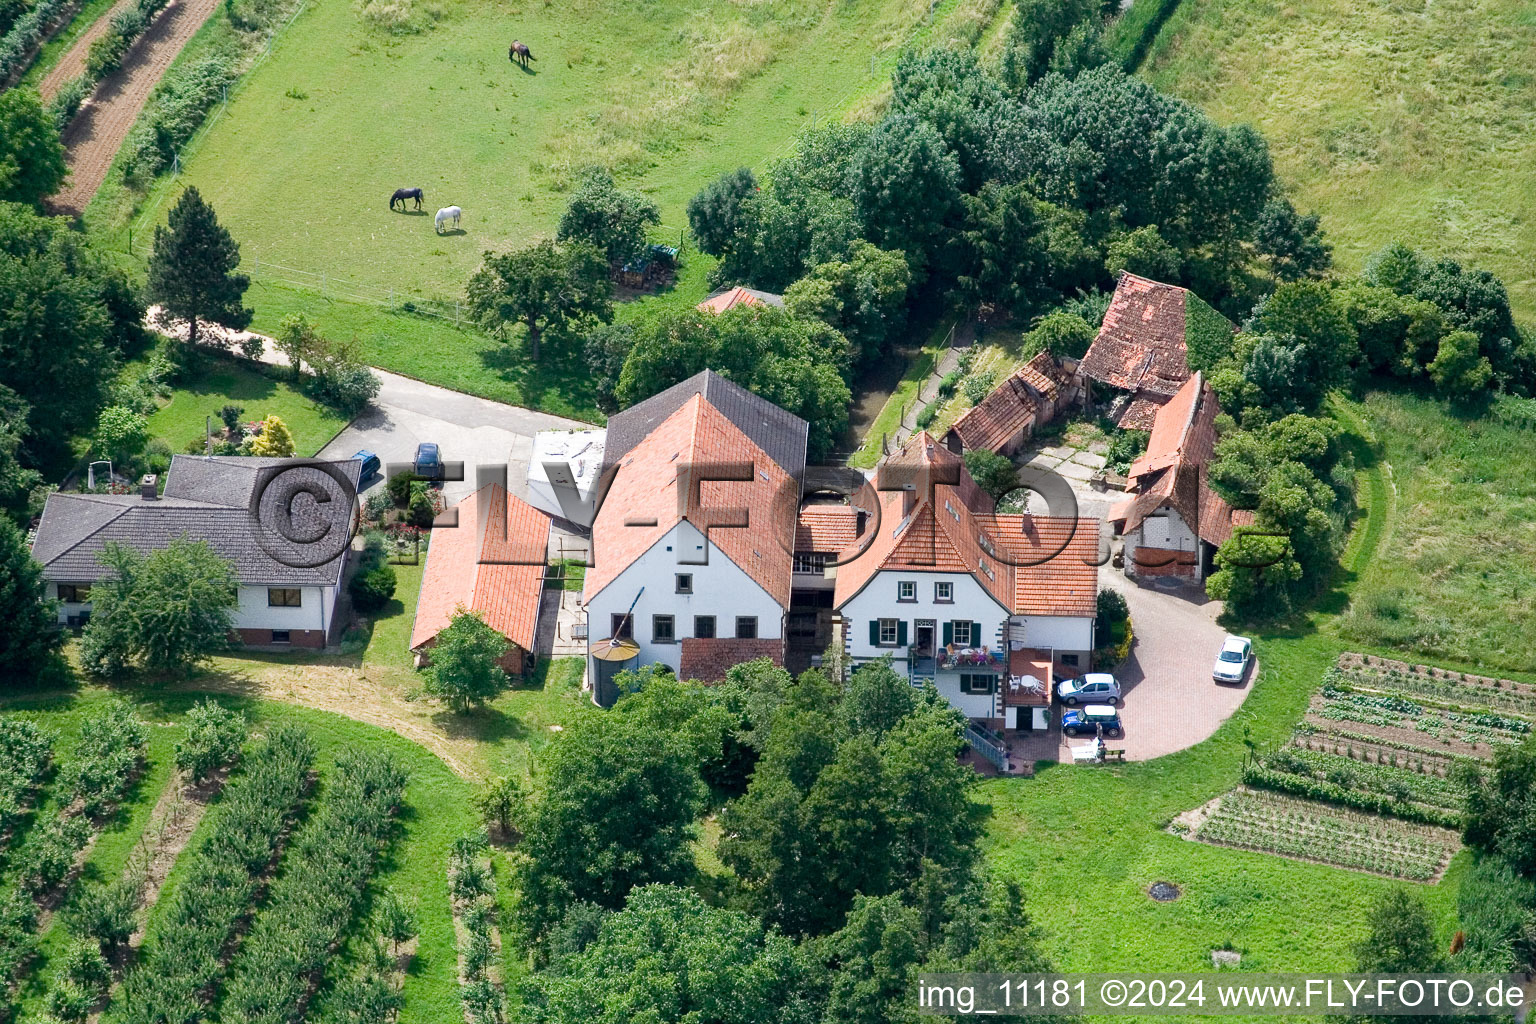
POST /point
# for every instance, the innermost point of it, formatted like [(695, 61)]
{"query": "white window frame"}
[(944, 592), (895, 628), (956, 626), (906, 591)]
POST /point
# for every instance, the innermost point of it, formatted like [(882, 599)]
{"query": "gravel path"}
[(93, 138), (73, 63)]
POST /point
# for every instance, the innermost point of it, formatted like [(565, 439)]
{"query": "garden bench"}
[(1115, 755)]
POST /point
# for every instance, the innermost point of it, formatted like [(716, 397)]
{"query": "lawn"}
[(217, 382), (1399, 120), (1457, 575), (668, 95)]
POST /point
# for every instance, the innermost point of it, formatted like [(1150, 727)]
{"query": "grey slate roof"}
[(205, 499), (781, 434)]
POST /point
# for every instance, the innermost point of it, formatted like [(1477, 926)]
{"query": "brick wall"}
[(313, 638), (709, 660), (1147, 561)]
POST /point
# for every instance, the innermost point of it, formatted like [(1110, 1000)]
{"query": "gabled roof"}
[(1141, 345), (780, 434), (642, 504), (1045, 375), (480, 567), (998, 418), (206, 498), (826, 528), (730, 298), (958, 531), (1172, 471)]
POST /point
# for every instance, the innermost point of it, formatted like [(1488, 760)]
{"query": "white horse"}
[(446, 214)]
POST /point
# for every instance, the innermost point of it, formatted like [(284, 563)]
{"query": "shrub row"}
[(29, 29), (215, 735), (1260, 777), (106, 762), (321, 888), (221, 884), (10, 10), (26, 754), (174, 115), (107, 759), (473, 885), (105, 56)]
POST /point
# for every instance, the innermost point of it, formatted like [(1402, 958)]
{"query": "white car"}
[(1232, 662)]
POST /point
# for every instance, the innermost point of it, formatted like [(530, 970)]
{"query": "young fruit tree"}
[(465, 669)]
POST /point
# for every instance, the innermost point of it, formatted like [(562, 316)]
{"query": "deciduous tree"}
[(611, 218), (29, 629), (554, 290), (32, 164), (465, 668)]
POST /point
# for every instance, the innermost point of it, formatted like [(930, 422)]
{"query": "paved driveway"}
[(468, 429)]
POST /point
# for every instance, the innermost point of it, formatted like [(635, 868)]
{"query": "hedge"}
[(1260, 777), (184, 957), (319, 893), (26, 754), (16, 47), (174, 115)]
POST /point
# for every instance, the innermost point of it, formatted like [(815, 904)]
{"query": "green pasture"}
[(1398, 120), (668, 95), (1457, 575)]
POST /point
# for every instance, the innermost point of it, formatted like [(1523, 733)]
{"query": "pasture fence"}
[(212, 119)]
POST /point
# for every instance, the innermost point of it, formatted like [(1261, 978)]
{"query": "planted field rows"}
[(1307, 830), (1461, 689)]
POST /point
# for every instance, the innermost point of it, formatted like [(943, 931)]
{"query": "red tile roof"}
[(826, 528), (1030, 565), (1045, 375), (474, 567), (998, 418), (642, 504), (733, 297), (1171, 473), (708, 660), (1141, 345)]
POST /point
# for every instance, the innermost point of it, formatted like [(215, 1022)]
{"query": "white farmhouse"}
[(985, 605), (693, 542), (206, 498)]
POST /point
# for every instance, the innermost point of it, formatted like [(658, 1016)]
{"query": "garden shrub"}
[(214, 737), (948, 383), (979, 385), (66, 102), (27, 32), (345, 386), (377, 505), (372, 590), (174, 114), (399, 487), (926, 414)]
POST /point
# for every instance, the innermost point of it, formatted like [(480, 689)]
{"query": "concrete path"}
[(475, 431)]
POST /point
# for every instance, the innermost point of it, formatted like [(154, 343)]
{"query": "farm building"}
[(692, 543), (985, 605), (491, 562), (655, 266), (730, 298), (1172, 521), (207, 498), (1030, 397), (1143, 348)]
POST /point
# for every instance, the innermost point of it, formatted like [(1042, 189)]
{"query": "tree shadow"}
[(483, 725)]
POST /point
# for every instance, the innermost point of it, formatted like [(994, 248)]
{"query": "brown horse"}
[(518, 53)]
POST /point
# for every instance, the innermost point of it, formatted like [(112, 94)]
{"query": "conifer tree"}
[(192, 271)]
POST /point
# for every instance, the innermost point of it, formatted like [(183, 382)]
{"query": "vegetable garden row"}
[(1304, 829), (1383, 758)]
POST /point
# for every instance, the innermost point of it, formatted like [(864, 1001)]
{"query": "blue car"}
[(371, 464), (1086, 721), (429, 464)]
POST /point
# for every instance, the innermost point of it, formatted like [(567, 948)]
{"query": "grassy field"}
[(669, 95), (1399, 120), (221, 382), (1457, 576)]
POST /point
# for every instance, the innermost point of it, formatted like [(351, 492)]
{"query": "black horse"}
[(518, 53), (402, 194)]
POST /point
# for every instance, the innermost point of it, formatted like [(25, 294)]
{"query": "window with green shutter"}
[(901, 633), (874, 632), (949, 633)]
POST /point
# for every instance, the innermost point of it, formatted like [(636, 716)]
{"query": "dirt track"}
[(93, 138), (73, 62)]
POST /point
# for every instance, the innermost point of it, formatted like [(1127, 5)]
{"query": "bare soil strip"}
[(73, 63), (94, 137)]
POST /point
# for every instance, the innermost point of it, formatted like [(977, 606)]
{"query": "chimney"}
[(148, 487)]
